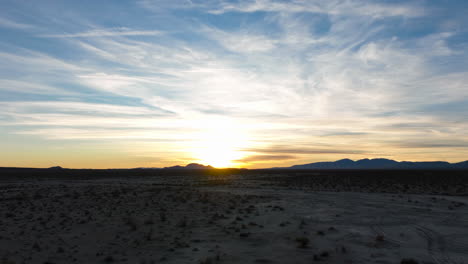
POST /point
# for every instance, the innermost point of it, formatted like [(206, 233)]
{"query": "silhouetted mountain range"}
[(191, 166), (381, 164), (348, 164)]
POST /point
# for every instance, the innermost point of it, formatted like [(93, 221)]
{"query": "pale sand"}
[(130, 221)]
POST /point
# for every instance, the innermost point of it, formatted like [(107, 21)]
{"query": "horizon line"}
[(213, 167)]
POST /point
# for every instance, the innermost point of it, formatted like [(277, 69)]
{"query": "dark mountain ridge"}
[(191, 166), (381, 164)]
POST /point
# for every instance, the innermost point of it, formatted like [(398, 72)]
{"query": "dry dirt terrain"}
[(174, 220)]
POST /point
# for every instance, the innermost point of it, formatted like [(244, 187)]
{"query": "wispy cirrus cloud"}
[(265, 158), (305, 150), (242, 42), (29, 87), (7, 23), (105, 33), (336, 7), (77, 107), (33, 61)]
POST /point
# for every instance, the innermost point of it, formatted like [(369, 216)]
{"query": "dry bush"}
[(408, 261), (303, 242)]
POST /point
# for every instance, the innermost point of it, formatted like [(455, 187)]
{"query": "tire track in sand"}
[(436, 245)]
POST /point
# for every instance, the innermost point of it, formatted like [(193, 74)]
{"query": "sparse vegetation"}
[(175, 220), (109, 259), (303, 242), (207, 260), (380, 238), (409, 261), (131, 222)]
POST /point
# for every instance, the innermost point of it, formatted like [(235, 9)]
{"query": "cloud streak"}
[(354, 7), (105, 33), (265, 158), (7, 23), (305, 150)]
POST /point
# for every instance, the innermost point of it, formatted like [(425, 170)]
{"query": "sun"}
[(219, 143)]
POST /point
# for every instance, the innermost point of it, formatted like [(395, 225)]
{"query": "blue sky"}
[(231, 83)]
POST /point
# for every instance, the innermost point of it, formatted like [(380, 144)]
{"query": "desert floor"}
[(172, 221)]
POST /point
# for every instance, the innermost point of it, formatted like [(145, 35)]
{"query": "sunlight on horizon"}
[(220, 143)]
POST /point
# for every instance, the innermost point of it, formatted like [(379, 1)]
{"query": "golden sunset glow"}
[(219, 143)]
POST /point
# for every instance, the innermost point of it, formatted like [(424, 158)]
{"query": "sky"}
[(255, 84)]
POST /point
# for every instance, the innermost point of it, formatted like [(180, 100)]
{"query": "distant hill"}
[(55, 168), (381, 164), (191, 166)]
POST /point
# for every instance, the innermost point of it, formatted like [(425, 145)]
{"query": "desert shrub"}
[(207, 261), (149, 221), (5, 260), (162, 217), (244, 234), (380, 238), (182, 223), (109, 259), (149, 235), (302, 242), (408, 261), (129, 221)]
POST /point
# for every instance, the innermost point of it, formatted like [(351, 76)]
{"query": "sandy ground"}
[(130, 221)]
